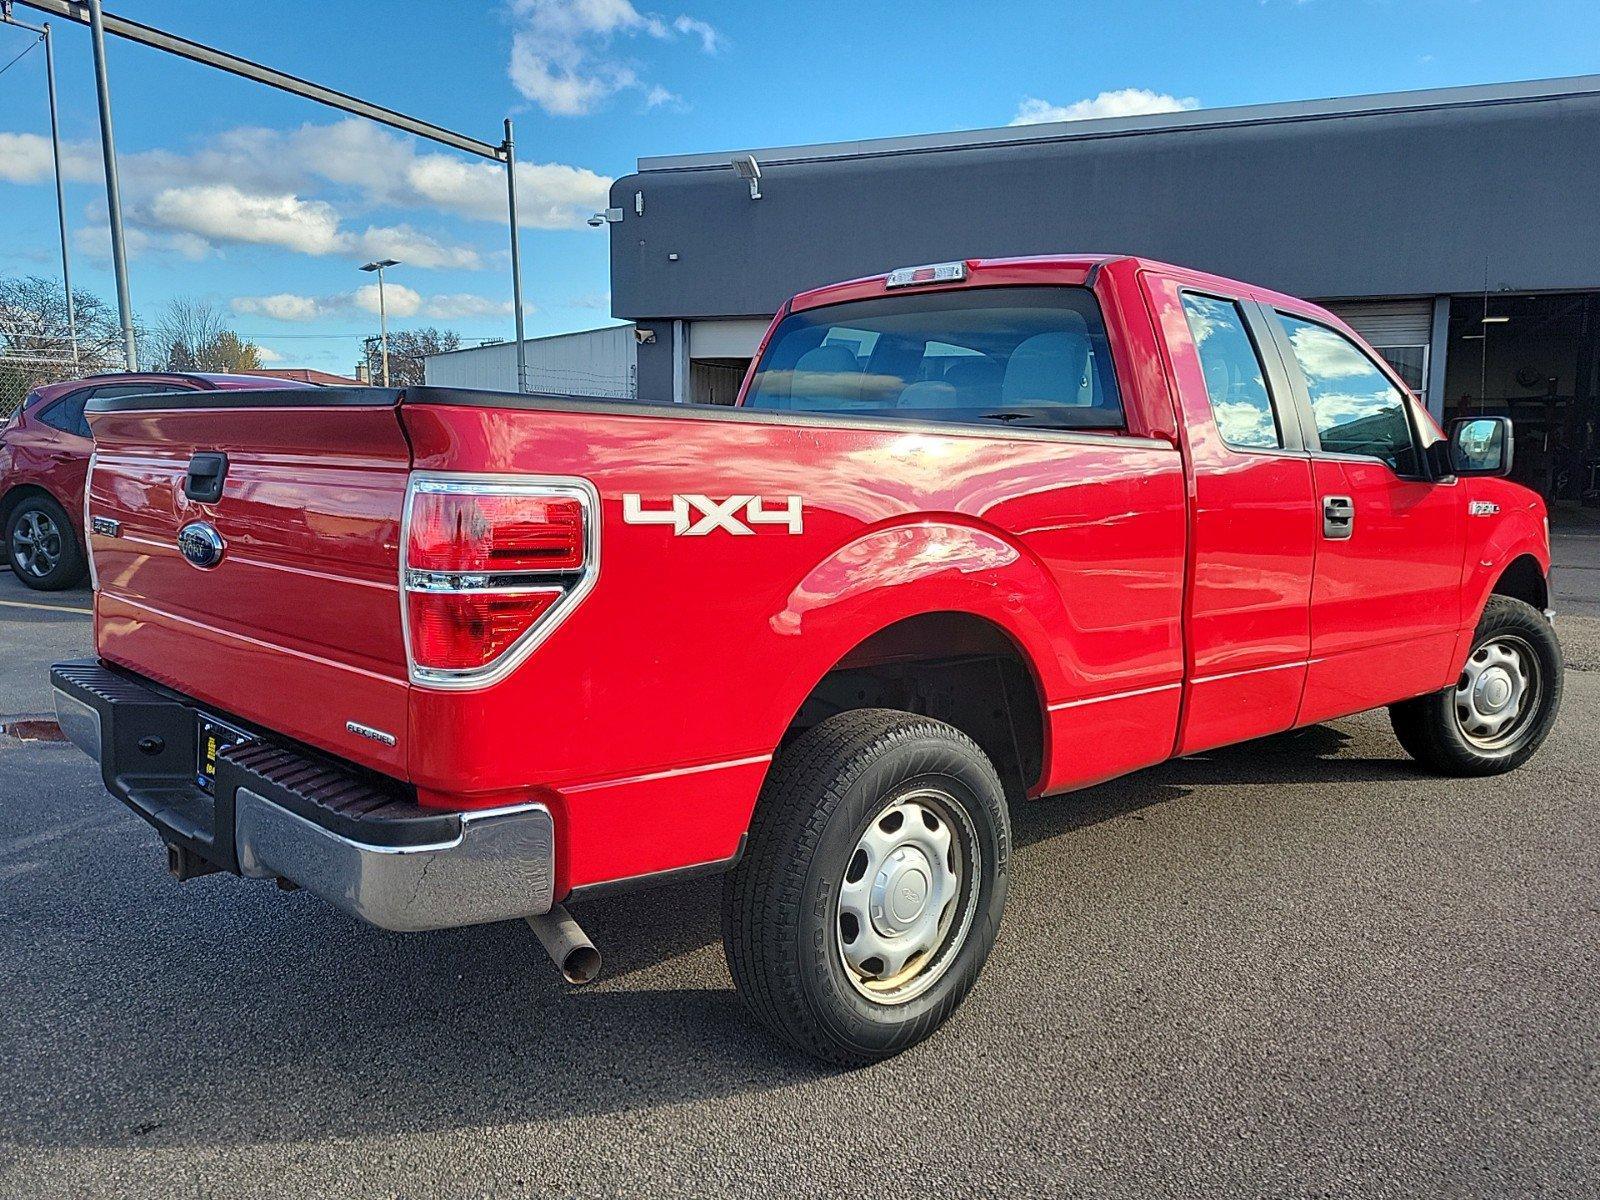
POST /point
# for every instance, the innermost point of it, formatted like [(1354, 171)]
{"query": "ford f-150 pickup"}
[(975, 533)]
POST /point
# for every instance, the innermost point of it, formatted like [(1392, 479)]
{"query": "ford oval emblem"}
[(201, 544)]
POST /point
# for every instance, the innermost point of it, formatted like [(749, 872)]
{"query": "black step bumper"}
[(275, 810)]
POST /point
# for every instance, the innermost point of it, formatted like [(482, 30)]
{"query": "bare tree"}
[(407, 349), (193, 335), (34, 344)]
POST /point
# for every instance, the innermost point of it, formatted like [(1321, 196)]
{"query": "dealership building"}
[(1457, 229)]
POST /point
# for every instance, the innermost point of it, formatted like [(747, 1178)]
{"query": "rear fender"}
[(894, 572)]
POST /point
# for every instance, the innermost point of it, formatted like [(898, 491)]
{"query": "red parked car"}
[(977, 533), (44, 454)]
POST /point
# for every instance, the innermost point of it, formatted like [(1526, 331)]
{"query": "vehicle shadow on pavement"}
[(1311, 755), (228, 1012)]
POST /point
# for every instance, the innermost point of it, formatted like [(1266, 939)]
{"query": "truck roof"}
[(1037, 269)]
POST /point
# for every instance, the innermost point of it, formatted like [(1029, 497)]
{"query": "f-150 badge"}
[(697, 516)]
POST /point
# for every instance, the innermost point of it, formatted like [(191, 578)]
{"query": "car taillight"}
[(489, 568)]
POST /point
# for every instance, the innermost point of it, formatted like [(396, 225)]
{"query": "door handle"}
[(1338, 517), (203, 482)]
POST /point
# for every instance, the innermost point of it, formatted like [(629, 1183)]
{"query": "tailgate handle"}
[(207, 470)]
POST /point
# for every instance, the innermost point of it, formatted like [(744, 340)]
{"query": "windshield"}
[(1026, 356)]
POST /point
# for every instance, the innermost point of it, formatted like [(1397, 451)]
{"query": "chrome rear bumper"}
[(275, 812), (499, 867)]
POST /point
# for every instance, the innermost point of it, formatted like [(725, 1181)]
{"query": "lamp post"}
[(383, 312), (108, 151), (55, 151)]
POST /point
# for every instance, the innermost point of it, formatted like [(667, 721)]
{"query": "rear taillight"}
[(469, 531), (489, 568)]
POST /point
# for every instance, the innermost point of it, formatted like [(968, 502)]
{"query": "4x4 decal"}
[(697, 516)]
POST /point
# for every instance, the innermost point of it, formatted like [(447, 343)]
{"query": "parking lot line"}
[(88, 612)]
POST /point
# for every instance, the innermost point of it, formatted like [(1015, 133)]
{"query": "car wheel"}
[(872, 887), (1501, 709), (41, 547)]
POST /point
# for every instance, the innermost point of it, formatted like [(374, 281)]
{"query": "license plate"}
[(211, 738)]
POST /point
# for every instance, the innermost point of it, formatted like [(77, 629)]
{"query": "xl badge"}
[(696, 516), (201, 544)]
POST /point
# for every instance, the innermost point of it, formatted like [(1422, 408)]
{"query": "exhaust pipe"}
[(568, 946)]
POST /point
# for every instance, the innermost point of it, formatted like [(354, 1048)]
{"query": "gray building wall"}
[(1416, 194), (591, 362)]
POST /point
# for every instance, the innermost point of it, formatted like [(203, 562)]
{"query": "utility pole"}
[(383, 311), (108, 151), (43, 31), (510, 150)]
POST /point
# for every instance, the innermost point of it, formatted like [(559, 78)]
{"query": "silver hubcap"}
[(901, 915), (36, 544), (1498, 692)]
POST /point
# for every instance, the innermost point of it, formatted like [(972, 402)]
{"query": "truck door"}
[(1386, 594), (1253, 534)]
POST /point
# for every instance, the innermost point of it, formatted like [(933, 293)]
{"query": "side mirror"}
[(1481, 446)]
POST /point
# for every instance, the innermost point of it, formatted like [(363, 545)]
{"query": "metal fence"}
[(24, 370)]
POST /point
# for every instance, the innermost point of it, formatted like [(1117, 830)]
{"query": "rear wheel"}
[(1501, 709), (873, 885), (41, 547)]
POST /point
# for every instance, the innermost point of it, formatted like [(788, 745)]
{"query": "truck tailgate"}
[(297, 626)]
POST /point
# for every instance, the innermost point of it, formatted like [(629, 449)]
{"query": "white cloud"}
[(456, 305), (562, 53), (24, 158), (414, 248), (282, 306), (93, 241), (256, 186), (223, 213), (710, 39), (400, 300), (1124, 102), (268, 357)]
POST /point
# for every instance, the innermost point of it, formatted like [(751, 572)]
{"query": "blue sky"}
[(266, 204)]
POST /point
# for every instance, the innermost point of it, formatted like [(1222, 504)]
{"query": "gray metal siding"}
[(594, 362), (1402, 203)]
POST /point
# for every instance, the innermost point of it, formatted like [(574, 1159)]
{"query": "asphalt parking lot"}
[(1292, 968)]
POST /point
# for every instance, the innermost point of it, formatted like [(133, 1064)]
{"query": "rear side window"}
[(1357, 409), (66, 414), (1026, 357), (1236, 383)]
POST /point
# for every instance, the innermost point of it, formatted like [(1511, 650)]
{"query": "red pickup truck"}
[(976, 533)]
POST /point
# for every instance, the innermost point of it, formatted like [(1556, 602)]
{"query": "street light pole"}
[(55, 151), (108, 150), (383, 311), (510, 149)]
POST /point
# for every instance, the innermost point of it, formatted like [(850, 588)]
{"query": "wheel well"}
[(954, 667), (1523, 580), (16, 496)]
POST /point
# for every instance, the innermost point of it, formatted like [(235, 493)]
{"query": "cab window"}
[(1356, 407), (1020, 357), (1236, 382)]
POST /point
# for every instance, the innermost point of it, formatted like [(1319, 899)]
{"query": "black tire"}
[(45, 563), (781, 922), (1432, 728)]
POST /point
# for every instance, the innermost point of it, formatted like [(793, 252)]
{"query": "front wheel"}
[(873, 885), (1501, 709)]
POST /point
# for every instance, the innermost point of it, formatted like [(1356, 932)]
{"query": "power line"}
[(25, 49)]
